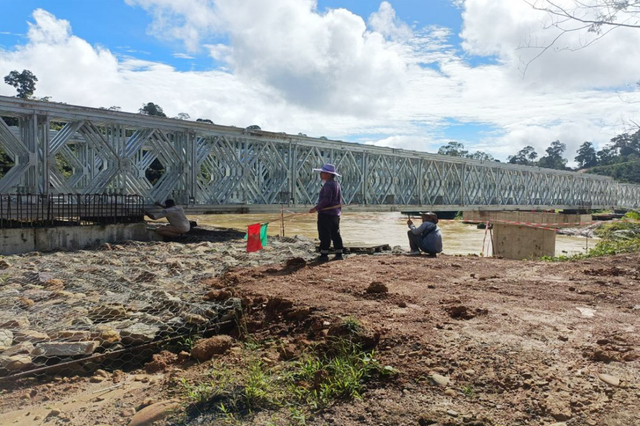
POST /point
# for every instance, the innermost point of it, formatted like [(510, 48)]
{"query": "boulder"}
[(154, 412), (107, 313), (204, 349), (6, 339), (32, 336), (15, 362), (65, 349), (20, 348), (139, 334)]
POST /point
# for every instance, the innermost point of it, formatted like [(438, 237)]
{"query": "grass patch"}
[(616, 237), (337, 370)]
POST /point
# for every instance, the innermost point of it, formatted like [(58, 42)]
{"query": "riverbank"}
[(463, 339)]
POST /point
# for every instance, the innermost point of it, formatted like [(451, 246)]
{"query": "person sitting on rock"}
[(178, 222), (427, 236)]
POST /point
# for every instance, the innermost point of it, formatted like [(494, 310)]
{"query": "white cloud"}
[(517, 34), (182, 56), (289, 67)]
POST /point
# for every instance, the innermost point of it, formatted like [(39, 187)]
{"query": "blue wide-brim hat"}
[(328, 168)]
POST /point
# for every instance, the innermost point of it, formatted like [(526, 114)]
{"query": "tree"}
[(152, 109), (525, 157), (587, 156), (482, 156), (183, 116), (595, 16), (553, 159), (454, 149), (204, 120), (24, 82)]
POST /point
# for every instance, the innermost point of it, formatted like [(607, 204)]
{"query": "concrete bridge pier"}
[(525, 235)]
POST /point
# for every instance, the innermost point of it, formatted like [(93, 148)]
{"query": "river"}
[(379, 228)]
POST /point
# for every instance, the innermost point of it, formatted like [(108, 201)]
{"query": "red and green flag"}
[(256, 237)]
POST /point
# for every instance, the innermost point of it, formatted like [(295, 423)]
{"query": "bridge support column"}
[(522, 242), (518, 235)]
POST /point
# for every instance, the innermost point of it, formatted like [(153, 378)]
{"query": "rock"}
[(64, 349), (154, 412), (453, 413), (611, 380), (54, 284), (439, 380), (20, 348), (631, 356), (287, 352), (558, 405), (6, 339), (4, 264), (73, 335), (427, 420), (54, 413), (204, 349), (160, 362), (15, 362), (16, 323), (376, 287), (32, 336), (194, 319), (558, 424), (402, 304), (107, 313), (106, 335), (139, 333), (145, 277), (218, 295), (298, 314), (450, 392)]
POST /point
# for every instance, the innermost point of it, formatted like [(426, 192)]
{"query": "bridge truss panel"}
[(58, 148)]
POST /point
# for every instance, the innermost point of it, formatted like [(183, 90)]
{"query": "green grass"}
[(293, 391), (616, 237)]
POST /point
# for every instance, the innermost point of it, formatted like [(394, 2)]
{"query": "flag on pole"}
[(256, 237)]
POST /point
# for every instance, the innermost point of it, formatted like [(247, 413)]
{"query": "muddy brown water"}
[(379, 228)]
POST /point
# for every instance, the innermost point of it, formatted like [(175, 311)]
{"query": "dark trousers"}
[(329, 230)]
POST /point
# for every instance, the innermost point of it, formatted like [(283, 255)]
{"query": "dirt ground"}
[(475, 341)]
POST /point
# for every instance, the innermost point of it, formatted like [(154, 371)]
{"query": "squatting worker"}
[(328, 208), (178, 222), (427, 236)]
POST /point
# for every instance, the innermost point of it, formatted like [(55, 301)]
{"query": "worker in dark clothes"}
[(427, 236), (329, 209)]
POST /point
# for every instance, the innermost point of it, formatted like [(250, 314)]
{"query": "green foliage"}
[(525, 157), (632, 215), (587, 156), (553, 159), (24, 82), (628, 172), (338, 370), (453, 149), (6, 162), (152, 109), (468, 391), (616, 237)]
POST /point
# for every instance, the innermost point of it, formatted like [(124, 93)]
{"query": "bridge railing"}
[(40, 210), (59, 148)]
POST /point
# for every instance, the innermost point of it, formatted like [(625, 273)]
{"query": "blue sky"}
[(407, 74)]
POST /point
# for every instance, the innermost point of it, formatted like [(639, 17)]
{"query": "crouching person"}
[(427, 236), (178, 222)]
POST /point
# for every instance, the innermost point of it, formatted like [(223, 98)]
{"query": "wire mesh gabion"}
[(73, 312)]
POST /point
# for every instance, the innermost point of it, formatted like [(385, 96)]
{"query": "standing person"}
[(178, 222), (329, 209), (427, 236)]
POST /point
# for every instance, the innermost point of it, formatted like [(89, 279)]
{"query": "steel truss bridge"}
[(64, 149)]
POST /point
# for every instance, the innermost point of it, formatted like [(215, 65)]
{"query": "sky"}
[(412, 74)]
